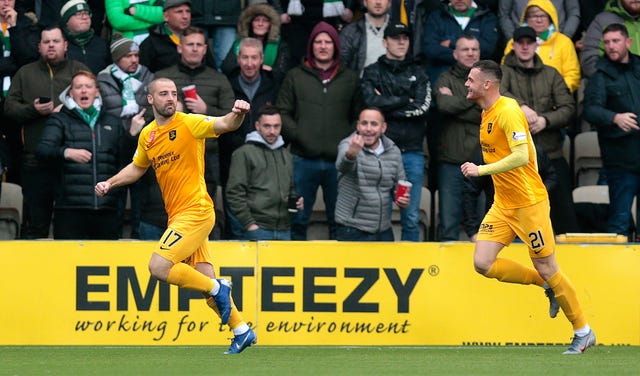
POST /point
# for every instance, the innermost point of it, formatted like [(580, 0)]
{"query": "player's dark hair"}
[(490, 69)]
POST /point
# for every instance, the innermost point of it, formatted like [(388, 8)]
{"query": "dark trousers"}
[(352, 234), (86, 224), (38, 182), (563, 212)]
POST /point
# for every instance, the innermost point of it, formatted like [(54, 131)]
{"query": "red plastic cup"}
[(190, 92), (403, 187)]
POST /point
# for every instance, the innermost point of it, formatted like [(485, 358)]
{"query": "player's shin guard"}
[(187, 277), (568, 299), (235, 319), (506, 270)]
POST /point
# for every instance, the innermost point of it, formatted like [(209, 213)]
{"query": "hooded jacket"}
[(558, 50), (259, 184), (509, 13), (543, 89), (593, 48), (317, 113), (75, 187), (365, 185), (272, 44), (611, 90)]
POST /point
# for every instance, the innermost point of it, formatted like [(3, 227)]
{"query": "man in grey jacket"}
[(369, 166)]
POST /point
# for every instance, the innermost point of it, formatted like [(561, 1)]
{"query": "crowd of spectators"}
[(319, 62)]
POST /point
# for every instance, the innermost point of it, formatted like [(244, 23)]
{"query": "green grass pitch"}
[(316, 360)]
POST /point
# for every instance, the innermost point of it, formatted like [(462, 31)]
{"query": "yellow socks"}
[(187, 277), (235, 318), (568, 299), (506, 270)]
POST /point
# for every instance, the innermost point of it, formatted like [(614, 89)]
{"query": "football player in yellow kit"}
[(174, 145), (521, 203)]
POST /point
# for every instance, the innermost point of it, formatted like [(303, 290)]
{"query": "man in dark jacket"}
[(611, 103), (84, 45), (400, 88), (213, 94), (447, 23), (549, 107), (259, 88), (458, 130), (33, 96), (319, 100), (362, 40), (159, 50), (261, 181), (83, 144)]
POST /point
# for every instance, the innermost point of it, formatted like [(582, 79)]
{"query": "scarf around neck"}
[(130, 85)]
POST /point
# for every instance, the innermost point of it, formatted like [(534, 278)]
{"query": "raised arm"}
[(232, 121)]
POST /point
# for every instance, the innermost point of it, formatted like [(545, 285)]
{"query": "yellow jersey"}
[(504, 126), (176, 153)]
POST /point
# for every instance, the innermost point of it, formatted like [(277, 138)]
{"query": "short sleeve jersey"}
[(503, 127), (176, 153)]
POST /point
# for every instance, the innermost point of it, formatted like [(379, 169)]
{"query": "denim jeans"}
[(262, 234), (223, 38), (413, 162), (308, 175), (352, 234), (450, 186), (148, 231), (623, 187)]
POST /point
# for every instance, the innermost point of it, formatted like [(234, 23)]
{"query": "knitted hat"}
[(72, 7), (175, 3), (121, 47)]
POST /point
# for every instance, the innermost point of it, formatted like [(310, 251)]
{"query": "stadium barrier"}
[(308, 293)]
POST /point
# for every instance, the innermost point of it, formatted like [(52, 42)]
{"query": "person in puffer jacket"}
[(369, 166), (84, 144)]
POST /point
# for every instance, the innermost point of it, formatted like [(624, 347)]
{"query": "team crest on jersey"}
[(489, 128), (172, 134), (518, 136)]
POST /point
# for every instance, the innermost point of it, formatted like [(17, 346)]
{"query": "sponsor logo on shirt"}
[(518, 136)]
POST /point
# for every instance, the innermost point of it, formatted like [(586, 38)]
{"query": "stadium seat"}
[(10, 211), (587, 160), (599, 194)]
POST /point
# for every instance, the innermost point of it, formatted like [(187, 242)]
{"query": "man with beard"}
[(173, 144), (626, 12)]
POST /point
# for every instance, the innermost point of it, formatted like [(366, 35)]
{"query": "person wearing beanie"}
[(123, 87), (133, 18), (313, 131), (84, 45)]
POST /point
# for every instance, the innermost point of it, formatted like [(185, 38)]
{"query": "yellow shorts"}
[(531, 224), (187, 239)]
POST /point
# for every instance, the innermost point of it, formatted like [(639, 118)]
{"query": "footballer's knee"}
[(482, 267), (159, 267)]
